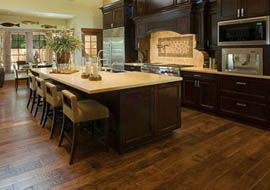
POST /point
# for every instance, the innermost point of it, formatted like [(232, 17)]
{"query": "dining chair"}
[(19, 76)]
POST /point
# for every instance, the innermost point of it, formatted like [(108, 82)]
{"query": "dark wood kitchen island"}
[(144, 107)]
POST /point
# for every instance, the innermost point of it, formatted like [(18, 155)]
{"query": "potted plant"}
[(63, 44)]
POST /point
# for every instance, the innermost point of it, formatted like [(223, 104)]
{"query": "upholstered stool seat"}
[(80, 112), (32, 91), (41, 92), (54, 100)]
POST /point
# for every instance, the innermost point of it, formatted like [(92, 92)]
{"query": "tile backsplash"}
[(172, 48)]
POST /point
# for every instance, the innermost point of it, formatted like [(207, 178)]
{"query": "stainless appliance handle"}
[(241, 105), (241, 83), (242, 12), (238, 13)]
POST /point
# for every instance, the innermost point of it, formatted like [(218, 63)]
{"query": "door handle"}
[(238, 13), (242, 12), (241, 105), (241, 83)]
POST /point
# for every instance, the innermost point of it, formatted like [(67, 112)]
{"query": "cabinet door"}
[(208, 95), (255, 8), (211, 27), (136, 113), (168, 108), (118, 17), (190, 92), (198, 26), (227, 9), (108, 19), (156, 5)]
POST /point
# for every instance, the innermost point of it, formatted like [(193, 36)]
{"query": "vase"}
[(63, 58)]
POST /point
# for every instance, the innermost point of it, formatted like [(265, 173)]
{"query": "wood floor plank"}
[(208, 152)]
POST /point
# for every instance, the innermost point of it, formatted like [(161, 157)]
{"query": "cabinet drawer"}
[(255, 87), (198, 76), (245, 109)]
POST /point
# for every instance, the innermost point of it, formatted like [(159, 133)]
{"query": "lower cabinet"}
[(200, 90), (148, 113), (243, 98)]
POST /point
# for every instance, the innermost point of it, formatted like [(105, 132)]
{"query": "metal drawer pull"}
[(241, 83), (197, 75), (241, 105)]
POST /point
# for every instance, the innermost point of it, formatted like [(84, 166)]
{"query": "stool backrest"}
[(70, 105), (41, 89), (52, 96), (32, 82)]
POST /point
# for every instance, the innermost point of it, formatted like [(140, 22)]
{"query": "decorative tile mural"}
[(175, 46), (168, 47)]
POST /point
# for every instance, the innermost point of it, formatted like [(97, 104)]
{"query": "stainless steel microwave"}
[(243, 60), (250, 31)]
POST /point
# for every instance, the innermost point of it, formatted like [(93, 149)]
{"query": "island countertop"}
[(109, 82)]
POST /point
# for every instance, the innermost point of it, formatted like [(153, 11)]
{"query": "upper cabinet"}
[(236, 9), (117, 14)]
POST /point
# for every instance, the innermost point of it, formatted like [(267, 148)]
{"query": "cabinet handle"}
[(238, 13), (195, 84), (241, 105), (198, 84), (241, 83), (242, 12), (196, 75), (112, 25)]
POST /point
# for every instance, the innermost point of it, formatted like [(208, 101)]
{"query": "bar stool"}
[(79, 112), (32, 90), (53, 98), (41, 92)]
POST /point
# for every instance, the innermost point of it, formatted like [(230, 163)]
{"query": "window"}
[(90, 45), (39, 46), (18, 48)]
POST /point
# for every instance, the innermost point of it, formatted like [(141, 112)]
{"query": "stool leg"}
[(46, 114), (43, 111), (33, 102), (75, 138), (16, 84), (38, 104), (30, 97), (54, 121), (62, 131)]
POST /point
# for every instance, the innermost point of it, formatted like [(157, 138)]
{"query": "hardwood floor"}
[(207, 153)]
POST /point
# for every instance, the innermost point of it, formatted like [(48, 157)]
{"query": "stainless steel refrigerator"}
[(114, 47)]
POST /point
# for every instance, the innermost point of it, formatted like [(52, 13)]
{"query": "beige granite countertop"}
[(110, 81), (215, 71)]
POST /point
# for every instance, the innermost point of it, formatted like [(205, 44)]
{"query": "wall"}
[(172, 48), (84, 13)]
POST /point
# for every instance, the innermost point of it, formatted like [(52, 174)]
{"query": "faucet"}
[(99, 59)]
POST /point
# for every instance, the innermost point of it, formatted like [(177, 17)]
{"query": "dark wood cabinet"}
[(235, 9), (200, 90), (255, 8), (211, 27), (117, 14), (244, 98), (138, 116), (146, 114), (168, 103), (228, 9)]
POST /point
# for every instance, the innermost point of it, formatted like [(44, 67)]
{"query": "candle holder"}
[(95, 78)]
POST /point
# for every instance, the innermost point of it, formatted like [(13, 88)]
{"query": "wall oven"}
[(250, 31), (243, 60)]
